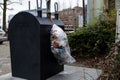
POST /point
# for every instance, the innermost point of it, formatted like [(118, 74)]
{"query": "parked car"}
[(2, 36)]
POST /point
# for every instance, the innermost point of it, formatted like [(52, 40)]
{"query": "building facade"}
[(72, 17)]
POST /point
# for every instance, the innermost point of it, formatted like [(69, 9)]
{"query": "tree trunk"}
[(84, 13), (4, 15)]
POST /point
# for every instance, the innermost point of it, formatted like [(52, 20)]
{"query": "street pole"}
[(84, 13)]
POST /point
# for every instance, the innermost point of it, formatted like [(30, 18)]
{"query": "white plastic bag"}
[(60, 46)]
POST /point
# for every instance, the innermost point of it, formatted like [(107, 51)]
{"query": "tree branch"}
[(1, 7), (14, 2), (10, 9), (1, 3)]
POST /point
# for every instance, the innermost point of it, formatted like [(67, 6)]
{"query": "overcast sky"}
[(24, 6), (18, 7)]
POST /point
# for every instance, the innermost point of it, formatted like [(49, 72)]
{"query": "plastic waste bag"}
[(60, 46)]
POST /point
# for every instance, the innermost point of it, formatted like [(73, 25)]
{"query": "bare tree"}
[(3, 6), (4, 11), (83, 13)]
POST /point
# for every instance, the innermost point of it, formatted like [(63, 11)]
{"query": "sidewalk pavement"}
[(70, 73)]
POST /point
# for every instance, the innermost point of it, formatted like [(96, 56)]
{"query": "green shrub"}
[(95, 39), (91, 41)]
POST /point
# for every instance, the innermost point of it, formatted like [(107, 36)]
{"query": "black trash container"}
[(31, 56)]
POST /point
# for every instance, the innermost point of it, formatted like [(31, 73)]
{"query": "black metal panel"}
[(31, 56), (46, 21)]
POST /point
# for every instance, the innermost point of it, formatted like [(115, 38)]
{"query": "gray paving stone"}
[(70, 73)]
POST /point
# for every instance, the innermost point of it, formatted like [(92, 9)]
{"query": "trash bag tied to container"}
[(60, 46)]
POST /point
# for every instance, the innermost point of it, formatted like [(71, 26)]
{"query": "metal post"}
[(48, 5), (48, 8), (39, 8), (56, 10), (39, 5)]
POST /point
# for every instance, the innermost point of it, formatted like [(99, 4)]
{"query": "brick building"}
[(72, 17)]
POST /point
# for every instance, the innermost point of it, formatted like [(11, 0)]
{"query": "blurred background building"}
[(72, 17)]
